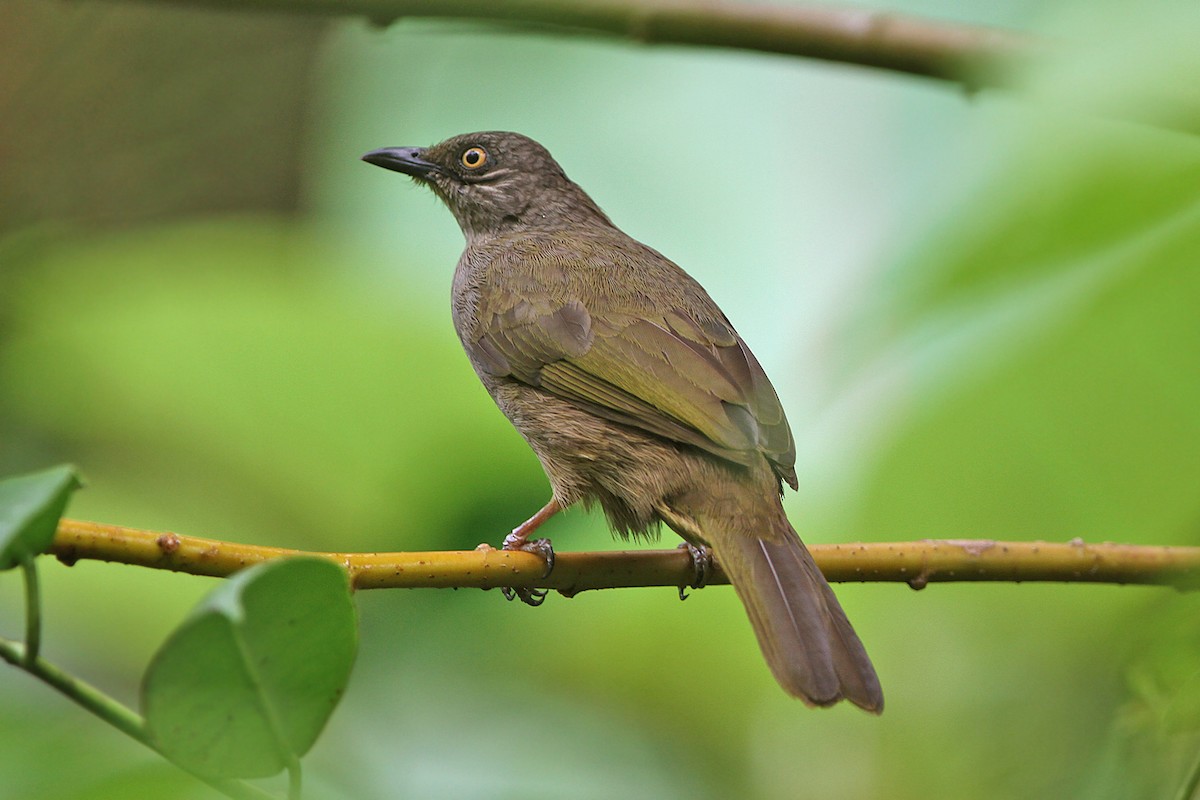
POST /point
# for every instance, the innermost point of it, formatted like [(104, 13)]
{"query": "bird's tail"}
[(804, 634)]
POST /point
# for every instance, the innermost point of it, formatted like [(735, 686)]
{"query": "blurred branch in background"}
[(972, 55), (121, 114), (915, 563)]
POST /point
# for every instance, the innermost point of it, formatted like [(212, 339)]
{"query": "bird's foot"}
[(530, 597), (519, 540), (702, 563), (540, 547)]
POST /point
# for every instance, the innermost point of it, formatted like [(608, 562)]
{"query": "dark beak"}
[(401, 159)]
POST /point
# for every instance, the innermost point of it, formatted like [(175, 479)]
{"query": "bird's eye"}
[(474, 157)]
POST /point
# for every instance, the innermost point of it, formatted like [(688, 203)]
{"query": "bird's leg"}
[(702, 563), (702, 557), (519, 540)]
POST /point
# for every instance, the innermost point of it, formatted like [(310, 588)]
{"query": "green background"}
[(981, 314)]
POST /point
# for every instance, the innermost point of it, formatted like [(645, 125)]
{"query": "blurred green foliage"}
[(979, 314)]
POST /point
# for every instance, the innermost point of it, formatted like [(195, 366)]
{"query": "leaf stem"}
[(294, 779), (33, 610)]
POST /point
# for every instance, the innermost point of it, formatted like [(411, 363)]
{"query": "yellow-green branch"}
[(914, 563)]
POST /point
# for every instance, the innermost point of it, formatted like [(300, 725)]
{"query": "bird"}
[(635, 392)]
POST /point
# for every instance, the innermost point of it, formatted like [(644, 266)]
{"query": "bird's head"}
[(495, 182)]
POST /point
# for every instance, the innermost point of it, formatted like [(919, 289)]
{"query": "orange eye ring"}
[(474, 157)]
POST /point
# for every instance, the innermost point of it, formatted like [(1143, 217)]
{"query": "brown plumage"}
[(634, 391)]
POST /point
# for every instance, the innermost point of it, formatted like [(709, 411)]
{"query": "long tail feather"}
[(809, 644)]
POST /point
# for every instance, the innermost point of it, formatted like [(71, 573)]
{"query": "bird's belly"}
[(591, 459)]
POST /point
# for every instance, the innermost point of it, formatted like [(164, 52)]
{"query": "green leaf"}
[(30, 507), (244, 686)]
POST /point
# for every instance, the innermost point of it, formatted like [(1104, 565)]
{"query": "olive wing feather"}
[(686, 379)]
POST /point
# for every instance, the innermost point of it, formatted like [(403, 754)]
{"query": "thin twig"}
[(915, 563), (83, 693), (972, 55), (111, 711)]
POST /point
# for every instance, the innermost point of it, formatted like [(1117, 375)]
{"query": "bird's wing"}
[(689, 379)]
